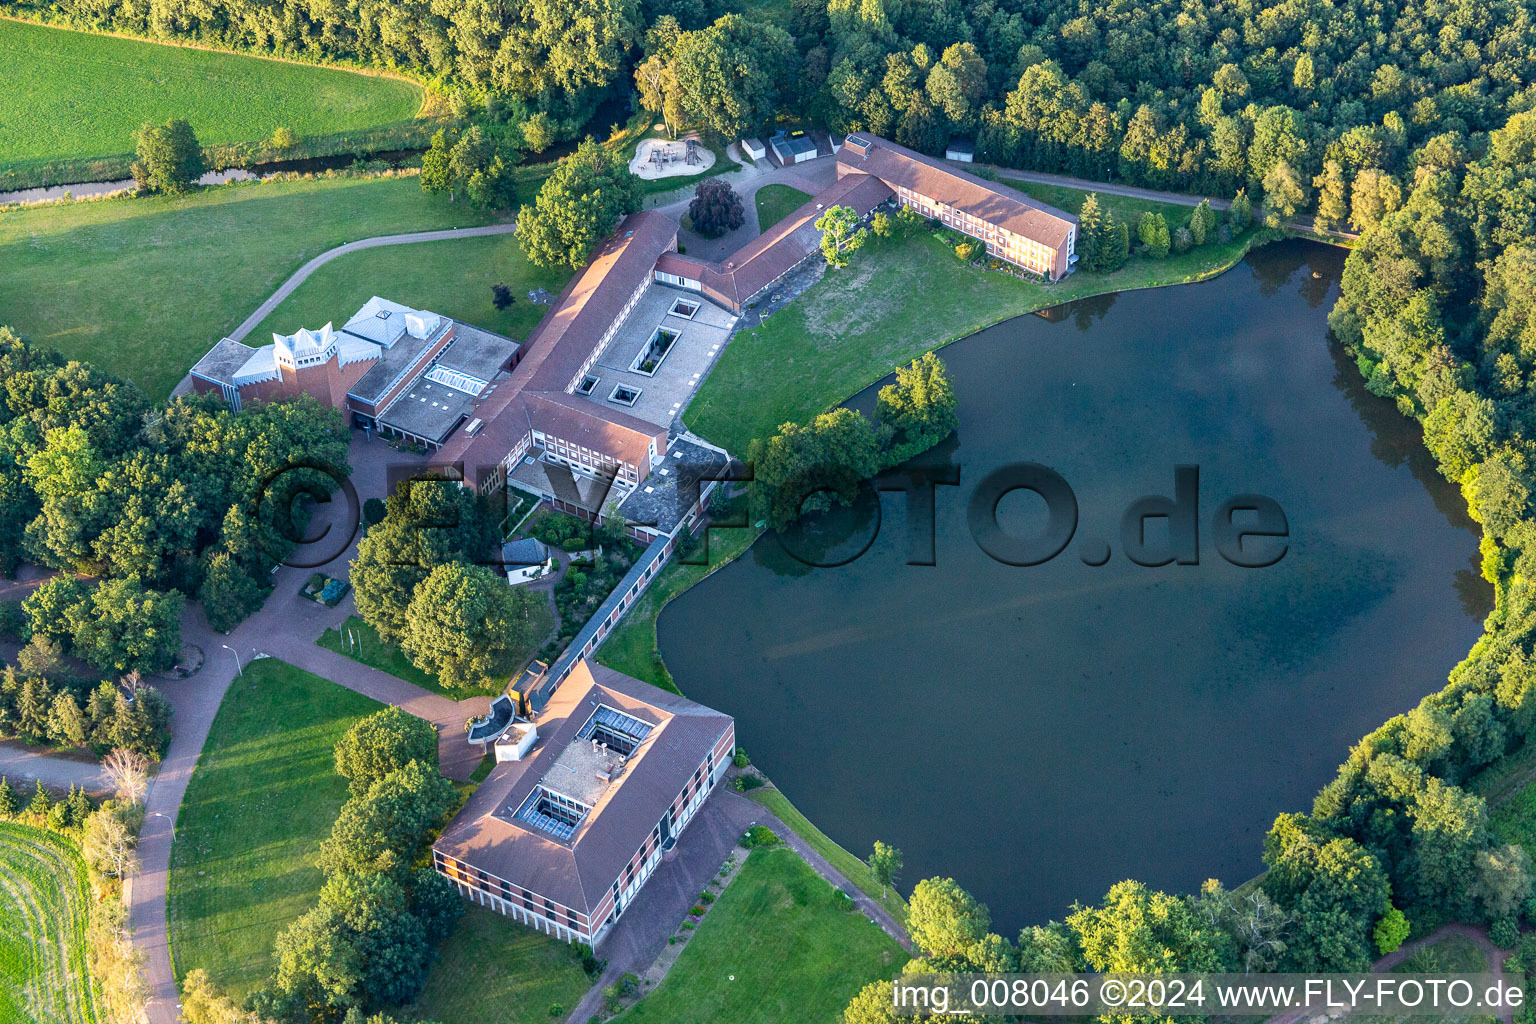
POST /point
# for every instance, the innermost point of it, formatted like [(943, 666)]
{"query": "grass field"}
[(901, 297), (453, 278), (367, 648), (853, 869), (775, 202), (81, 96), (264, 795), (44, 912), (492, 970), (144, 287), (776, 946)]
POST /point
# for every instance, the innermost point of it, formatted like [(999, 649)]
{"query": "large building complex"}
[(591, 795), (1015, 228), (404, 371), (598, 783)]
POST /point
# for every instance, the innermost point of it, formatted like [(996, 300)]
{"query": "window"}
[(684, 308), (623, 394), (588, 383), (456, 380)]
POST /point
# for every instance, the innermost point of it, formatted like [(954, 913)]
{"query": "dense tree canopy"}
[(383, 742), (467, 626), (578, 206)]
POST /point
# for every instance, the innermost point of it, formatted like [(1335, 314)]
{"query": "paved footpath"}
[(302, 274), (286, 627)]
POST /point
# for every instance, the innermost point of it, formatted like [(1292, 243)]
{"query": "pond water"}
[(1042, 732)]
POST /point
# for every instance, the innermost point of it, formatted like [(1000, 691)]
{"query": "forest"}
[(1307, 103)]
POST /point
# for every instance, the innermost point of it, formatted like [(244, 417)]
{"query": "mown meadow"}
[(78, 97)]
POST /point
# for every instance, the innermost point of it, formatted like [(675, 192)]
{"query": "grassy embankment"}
[(900, 298), (44, 915), (776, 946), (143, 287), (79, 97), (493, 971), (775, 202)]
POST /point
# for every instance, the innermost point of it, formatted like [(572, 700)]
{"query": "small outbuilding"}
[(754, 148), (794, 149), (526, 560), (960, 150)]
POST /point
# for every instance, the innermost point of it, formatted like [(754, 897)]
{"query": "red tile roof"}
[(578, 873), (556, 351), (1008, 208)]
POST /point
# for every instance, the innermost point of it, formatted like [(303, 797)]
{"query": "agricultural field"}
[(44, 912), (79, 97), (143, 287), (264, 795)]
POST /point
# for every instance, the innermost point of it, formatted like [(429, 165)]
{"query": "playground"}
[(665, 158)]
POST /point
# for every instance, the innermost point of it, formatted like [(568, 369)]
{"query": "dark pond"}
[(1041, 733)]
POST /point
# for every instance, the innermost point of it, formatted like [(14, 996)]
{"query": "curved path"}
[(302, 274), (1478, 936)]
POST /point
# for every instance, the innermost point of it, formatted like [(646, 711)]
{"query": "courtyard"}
[(661, 355)]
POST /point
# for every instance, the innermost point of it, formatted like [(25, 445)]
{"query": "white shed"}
[(754, 148)]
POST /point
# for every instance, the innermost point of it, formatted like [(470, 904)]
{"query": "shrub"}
[(1505, 933), (696, 910), (746, 781), (1391, 930), (740, 758), (706, 897), (759, 835), (283, 137), (556, 1010)]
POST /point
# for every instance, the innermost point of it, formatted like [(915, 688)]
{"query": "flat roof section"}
[(223, 361), (427, 410), (477, 352), (666, 495), (395, 363)]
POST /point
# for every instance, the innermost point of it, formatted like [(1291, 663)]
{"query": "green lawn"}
[(453, 278), (80, 96), (264, 795), (143, 287), (631, 648), (366, 646), (901, 297), (775, 947), (44, 912), (492, 970), (775, 202), (854, 869)]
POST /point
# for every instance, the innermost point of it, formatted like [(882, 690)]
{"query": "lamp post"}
[(236, 653)]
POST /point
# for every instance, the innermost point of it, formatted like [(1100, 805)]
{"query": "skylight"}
[(619, 731), (549, 812)]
